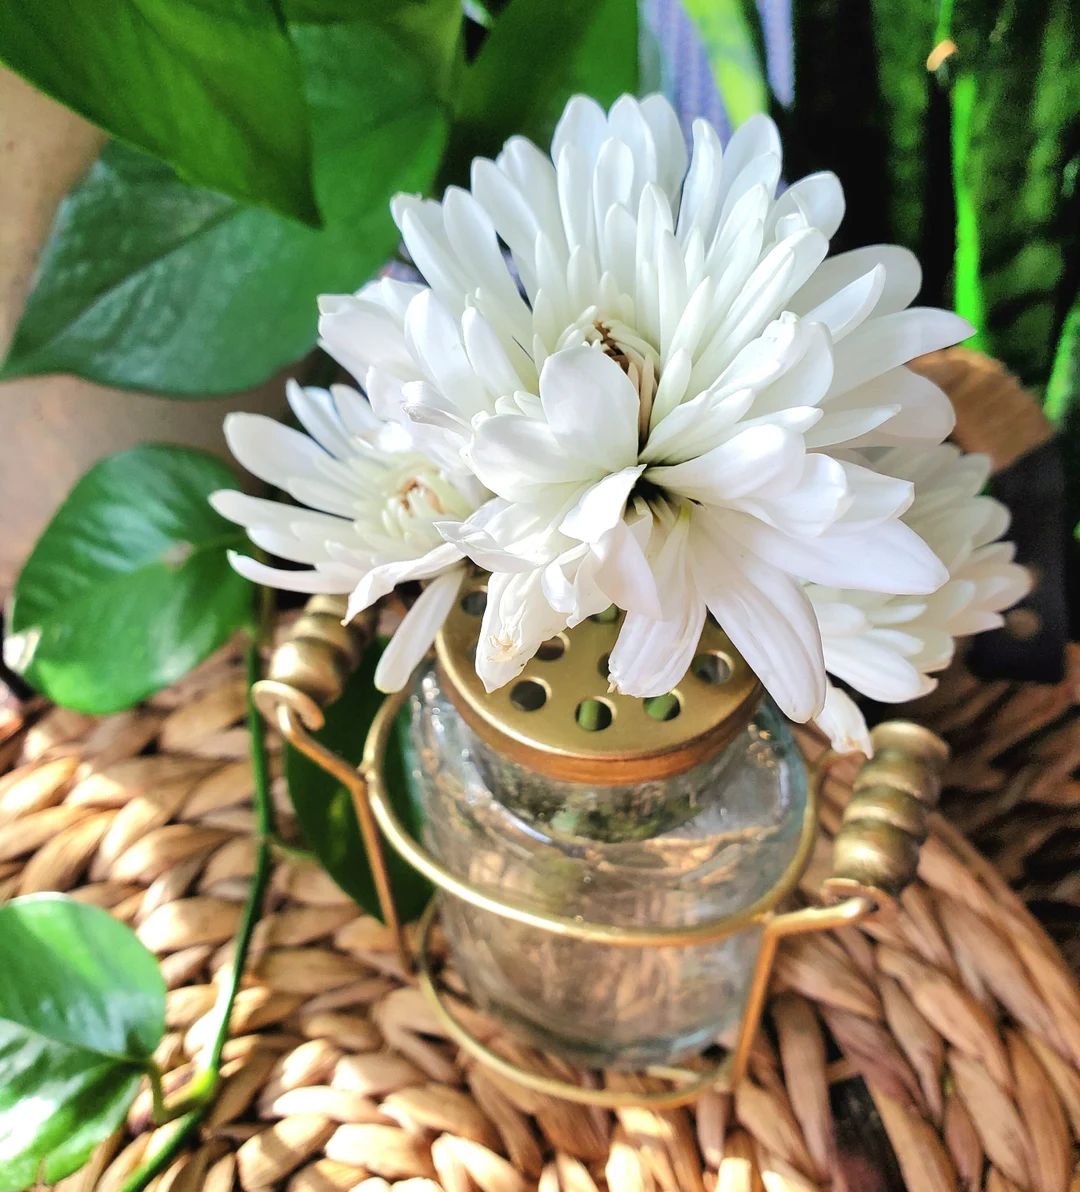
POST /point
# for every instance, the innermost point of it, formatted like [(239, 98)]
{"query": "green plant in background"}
[(150, 283)]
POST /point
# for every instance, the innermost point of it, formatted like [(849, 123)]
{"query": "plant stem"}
[(153, 1074), (200, 1092), (264, 829), (161, 1159)]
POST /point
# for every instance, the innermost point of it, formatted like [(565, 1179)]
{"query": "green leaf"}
[(129, 586), (147, 283), (82, 1008), (210, 86), (1063, 388), (532, 61), (730, 34), (324, 808), (1016, 152)]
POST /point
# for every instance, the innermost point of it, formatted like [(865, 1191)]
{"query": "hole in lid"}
[(552, 649), (474, 602), (607, 616), (528, 695), (602, 665), (713, 667), (594, 715), (663, 707)]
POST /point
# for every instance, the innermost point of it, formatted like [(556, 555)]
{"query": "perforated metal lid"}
[(559, 718)]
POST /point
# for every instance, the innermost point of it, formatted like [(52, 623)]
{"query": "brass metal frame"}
[(369, 780), (875, 855), (375, 814)]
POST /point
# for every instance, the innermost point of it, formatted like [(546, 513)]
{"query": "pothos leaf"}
[(534, 58), (129, 586), (147, 283), (212, 87), (82, 1008)]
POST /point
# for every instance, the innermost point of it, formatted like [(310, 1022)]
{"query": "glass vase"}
[(666, 853)]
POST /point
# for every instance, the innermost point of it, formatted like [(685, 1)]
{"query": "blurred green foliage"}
[(954, 126)]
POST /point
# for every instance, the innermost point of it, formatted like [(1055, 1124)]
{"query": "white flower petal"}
[(749, 461), (519, 457), (818, 198), (479, 545), (889, 558), (413, 637), (270, 451), (623, 573), (287, 519), (767, 616), (517, 619), (331, 580), (876, 668), (591, 406), (366, 328), (883, 343), (386, 576), (601, 506), (652, 654), (317, 414), (851, 306), (903, 277), (842, 722)]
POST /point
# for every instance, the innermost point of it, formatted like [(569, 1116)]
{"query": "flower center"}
[(639, 365), (414, 490)]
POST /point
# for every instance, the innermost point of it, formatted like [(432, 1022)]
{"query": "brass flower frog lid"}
[(559, 718)]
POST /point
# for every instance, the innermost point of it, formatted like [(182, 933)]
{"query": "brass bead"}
[(840, 889), (904, 736), (316, 668), (322, 628), (271, 696), (328, 606), (886, 805), (903, 772), (876, 855)]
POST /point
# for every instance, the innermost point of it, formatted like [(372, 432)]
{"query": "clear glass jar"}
[(674, 852)]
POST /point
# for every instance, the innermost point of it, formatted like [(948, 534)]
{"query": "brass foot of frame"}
[(691, 1082)]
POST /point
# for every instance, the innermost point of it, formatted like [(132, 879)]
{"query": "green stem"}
[(202, 1089), (153, 1074), (161, 1159)]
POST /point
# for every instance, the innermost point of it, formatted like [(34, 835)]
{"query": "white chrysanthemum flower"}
[(664, 397), (665, 407), (887, 647), (373, 501)]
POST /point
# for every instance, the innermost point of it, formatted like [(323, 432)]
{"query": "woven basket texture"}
[(934, 1050)]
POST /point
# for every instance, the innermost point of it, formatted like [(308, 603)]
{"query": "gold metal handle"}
[(309, 670), (876, 851)]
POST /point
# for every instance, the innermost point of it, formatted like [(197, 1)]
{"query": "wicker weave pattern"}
[(959, 1014)]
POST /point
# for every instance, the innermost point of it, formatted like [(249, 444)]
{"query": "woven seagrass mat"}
[(935, 1050)]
